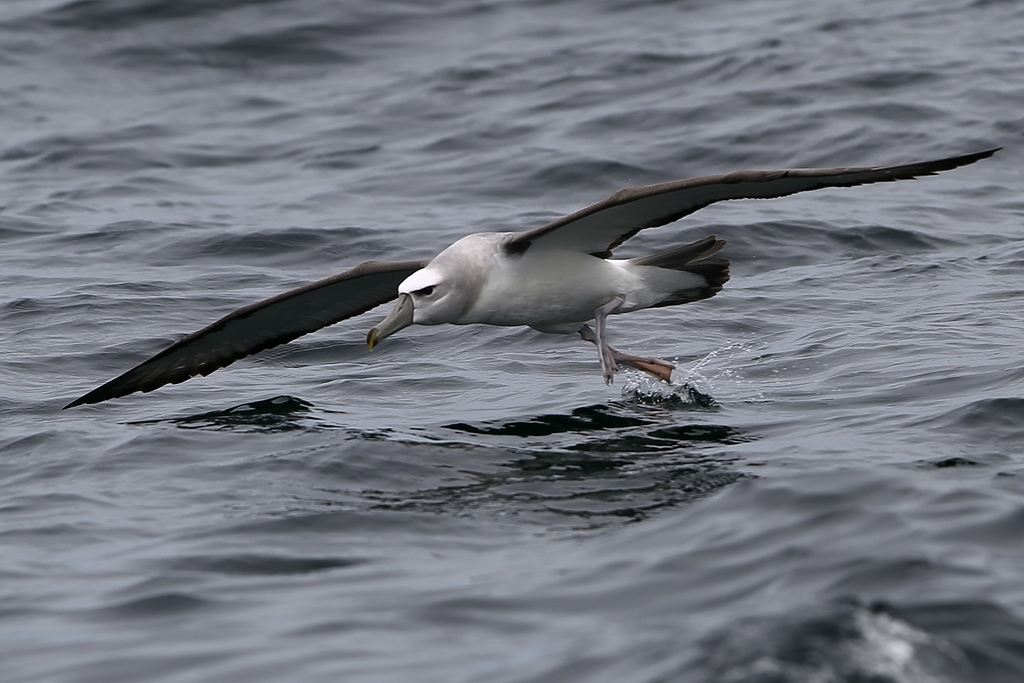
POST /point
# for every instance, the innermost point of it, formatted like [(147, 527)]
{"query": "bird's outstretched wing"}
[(261, 326), (602, 227)]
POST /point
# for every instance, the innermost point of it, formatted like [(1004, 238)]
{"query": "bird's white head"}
[(434, 297), (443, 290)]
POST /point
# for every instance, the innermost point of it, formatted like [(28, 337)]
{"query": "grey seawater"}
[(831, 491)]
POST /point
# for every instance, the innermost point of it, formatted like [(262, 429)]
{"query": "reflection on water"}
[(278, 414)]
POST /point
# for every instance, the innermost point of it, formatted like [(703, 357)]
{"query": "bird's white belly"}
[(548, 288)]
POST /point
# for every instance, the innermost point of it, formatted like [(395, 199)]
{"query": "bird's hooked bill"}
[(399, 318)]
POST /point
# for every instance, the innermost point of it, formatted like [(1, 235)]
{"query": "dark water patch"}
[(768, 245), (232, 35), (556, 489), (376, 521), (670, 489), (593, 487), (570, 466), (1009, 262), (888, 79), (346, 156), (990, 418), (159, 605), (145, 187), (276, 49), (1003, 530), (120, 235), (722, 434), (633, 121), (845, 24), (250, 564), (477, 612), (955, 461), (278, 414), (114, 15), (580, 173), (65, 145), (475, 139), (644, 63), (880, 239), (583, 100), (682, 437), (262, 102), (872, 576), (323, 19), (97, 158), (129, 149), (204, 156), (298, 45), (644, 403), (20, 227), (279, 247), (586, 419), (25, 309), (888, 112), (470, 81), (50, 501), (736, 67), (630, 427)]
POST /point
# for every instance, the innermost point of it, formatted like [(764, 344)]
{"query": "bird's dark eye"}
[(426, 291)]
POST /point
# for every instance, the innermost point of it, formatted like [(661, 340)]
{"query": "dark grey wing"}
[(262, 325), (600, 228)]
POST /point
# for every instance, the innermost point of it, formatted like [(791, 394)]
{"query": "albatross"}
[(558, 278)]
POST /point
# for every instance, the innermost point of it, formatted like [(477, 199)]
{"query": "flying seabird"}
[(559, 278)]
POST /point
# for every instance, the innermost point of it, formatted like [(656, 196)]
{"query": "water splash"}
[(719, 373)]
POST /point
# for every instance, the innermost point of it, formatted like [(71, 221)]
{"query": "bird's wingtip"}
[(82, 400), (978, 156)]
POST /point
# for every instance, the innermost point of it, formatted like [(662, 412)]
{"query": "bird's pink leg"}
[(611, 358)]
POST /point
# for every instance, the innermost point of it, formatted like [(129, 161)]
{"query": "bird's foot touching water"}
[(656, 367), (612, 359)]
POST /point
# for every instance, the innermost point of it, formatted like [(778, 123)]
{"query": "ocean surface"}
[(831, 490)]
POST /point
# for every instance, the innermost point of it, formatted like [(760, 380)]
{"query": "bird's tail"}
[(693, 258)]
